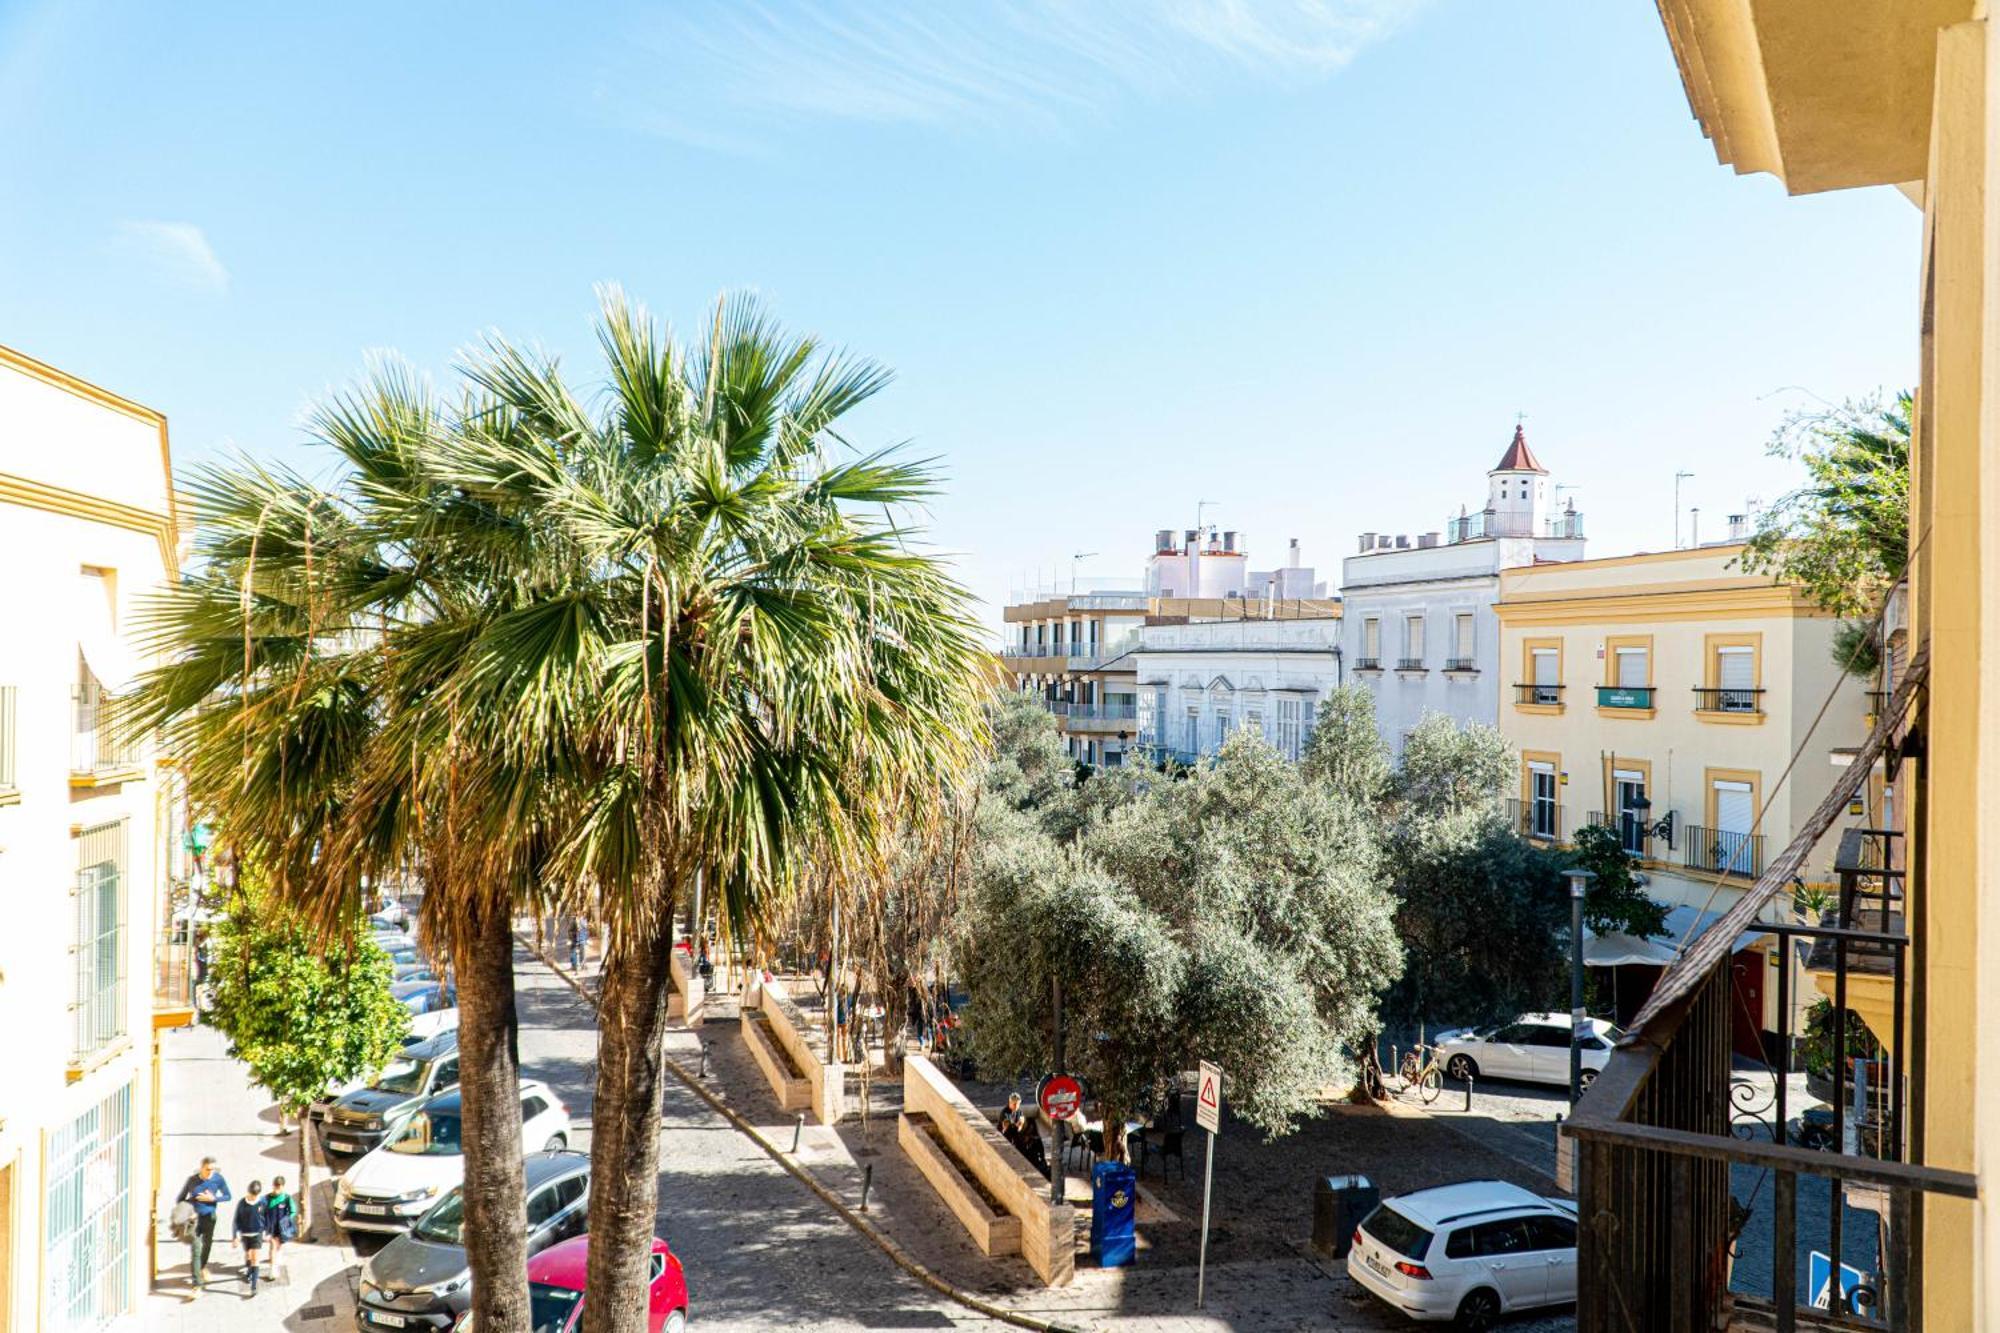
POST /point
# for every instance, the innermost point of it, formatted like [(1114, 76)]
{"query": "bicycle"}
[(1422, 1070)]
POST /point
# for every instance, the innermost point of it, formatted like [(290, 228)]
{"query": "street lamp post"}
[(1579, 884)]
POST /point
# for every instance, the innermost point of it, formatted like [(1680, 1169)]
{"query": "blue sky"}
[(1306, 260)]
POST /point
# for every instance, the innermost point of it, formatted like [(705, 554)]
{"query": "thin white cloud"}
[(178, 250), (715, 73)]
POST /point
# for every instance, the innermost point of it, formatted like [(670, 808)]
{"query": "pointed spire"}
[(1519, 458)]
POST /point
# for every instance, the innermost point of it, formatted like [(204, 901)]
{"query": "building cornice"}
[(1696, 602), (169, 533), (93, 509)]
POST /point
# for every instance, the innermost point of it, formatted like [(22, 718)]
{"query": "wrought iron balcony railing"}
[(97, 744), (1541, 821), (1728, 701), (1367, 664), (1635, 837), (1460, 664), (1718, 851), (1411, 664), (1545, 696)]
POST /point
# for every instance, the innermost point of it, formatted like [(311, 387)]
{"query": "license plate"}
[(341, 1145), (1375, 1264), (372, 1209), (387, 1320)]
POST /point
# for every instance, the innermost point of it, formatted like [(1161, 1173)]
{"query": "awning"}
[(1614, 948), (1719, 938)]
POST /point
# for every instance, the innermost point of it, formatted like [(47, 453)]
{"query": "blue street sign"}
[(1819, 1278)]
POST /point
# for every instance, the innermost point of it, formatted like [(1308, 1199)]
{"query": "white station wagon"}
[(424, 1158), (1469, 1252), (1533, 1048)]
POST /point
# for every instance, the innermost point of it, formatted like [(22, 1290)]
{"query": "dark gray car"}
[(422, 1280), (360, 1121)]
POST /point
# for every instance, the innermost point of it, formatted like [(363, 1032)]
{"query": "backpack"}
[(181, 1221)]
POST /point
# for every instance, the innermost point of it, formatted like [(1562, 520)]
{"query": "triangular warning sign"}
[(1208, 1092)]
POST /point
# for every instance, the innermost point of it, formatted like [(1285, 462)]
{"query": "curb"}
[(897, 1254)]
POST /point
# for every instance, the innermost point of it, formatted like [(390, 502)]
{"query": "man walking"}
[(579, 937), (204, 1191)]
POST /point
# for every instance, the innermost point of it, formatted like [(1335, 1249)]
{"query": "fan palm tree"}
[(738, 663), (308, 663)]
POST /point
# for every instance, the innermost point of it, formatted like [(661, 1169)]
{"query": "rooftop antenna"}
[(1194, 549), (1074, 560), (1677, 507)]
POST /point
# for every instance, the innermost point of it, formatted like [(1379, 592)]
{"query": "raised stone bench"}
[(993, 1228), (826, 1083), (794, 1093), (971, 1147), (686, 1001)]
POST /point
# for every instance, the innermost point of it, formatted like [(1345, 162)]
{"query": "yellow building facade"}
[(1905, 95), (86, 529)]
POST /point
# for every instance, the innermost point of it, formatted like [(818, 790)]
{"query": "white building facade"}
[(1199, 683), (1419, 628)]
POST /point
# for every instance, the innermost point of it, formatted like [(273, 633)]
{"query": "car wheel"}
[(1585, 1078), (677, 1322), (1479, 1309), (1462, 1068), (556, 1143)]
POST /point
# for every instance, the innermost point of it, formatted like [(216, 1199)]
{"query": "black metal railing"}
[(1687, 1166), (1544, 695), (1539, 820), (1411, 664), (1367, 664), (1460, 664), (98, 744), (1719, 851), (1635, 836), (1728, 701)]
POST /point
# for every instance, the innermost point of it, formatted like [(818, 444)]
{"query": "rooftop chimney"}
[(1402, 542), (1229, 541), (1192, 535), (1163, 540), (1739, 527), (1426, 541), (1292, 555), (1367, 542)]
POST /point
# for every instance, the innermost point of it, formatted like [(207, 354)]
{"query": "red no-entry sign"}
[(1060, 1096)]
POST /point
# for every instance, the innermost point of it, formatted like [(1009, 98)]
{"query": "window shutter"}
[(1371, 639), (1416, 637), (1632, 668), (1464, 649), (1736, 668), (1734, 811), (1546, 672)]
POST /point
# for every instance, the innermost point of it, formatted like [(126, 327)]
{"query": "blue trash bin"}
[(1114, 1196)]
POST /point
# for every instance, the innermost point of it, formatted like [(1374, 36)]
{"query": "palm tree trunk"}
[(625, 1124), (489, 1075)]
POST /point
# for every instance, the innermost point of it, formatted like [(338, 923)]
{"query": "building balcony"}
[(1635, 836), (1367, 664), (1688, 1166), (1538, 821), (1718, 851), (1626, 698), (1487, 523), (173, 978), (1734, 704), (1096, 717), (1460, 664), (1538, 696), (1411, 664), (100, 754)]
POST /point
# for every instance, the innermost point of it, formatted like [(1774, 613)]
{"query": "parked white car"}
[(1471, 1252), (392, 1186), (1533, 1048)]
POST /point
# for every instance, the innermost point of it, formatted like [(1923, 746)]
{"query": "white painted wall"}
[(1232, 674)]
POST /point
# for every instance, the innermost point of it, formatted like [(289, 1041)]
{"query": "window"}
[(1541, 800), (1371, 640), (99, 946), (1500, 1238), (1629, 791), (1413, 638), (1192, 736), (1542, 1034), (532, 1106), (1224, 724), (1397, 1232), (447, 1073), (1544, 675), (1289, 738), (1548, 1232), (543, 1205), (1253, 720), (88, 1207), (1733, 669), (659, 1267), (1462, 632), (1632, 668)]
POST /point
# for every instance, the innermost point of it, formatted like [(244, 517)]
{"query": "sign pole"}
[(1207, 1114), (1058, 1181)]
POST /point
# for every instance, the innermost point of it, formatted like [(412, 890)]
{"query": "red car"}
[(556, 1281)]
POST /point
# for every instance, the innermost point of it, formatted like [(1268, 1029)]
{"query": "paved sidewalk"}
[(209, 1108)]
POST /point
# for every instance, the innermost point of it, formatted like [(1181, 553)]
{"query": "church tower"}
[(1518, 491)]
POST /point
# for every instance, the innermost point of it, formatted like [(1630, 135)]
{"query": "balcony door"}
[(1541, 800), (1629, 790), (1735, 815)]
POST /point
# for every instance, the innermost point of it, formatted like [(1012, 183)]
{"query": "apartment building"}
[(1913, 944), (1665, 696), (1075, 649), (1200, 683), (87, 527), (1418, 625)]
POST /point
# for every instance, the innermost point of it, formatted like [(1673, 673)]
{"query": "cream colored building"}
[(87, 527)]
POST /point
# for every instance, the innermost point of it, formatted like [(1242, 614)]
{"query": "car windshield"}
[(430, 1134), (401, 1074), (549, 1308), (1397, 1232), (444, 1224)]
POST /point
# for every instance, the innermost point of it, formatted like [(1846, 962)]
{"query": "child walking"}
[(250, 1229), (281, 1220)]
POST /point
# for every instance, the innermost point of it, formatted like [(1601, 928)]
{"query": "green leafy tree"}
[(1345, 753), (1615, 900), (1843, 537), (303, 1017), (1236, 916)]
